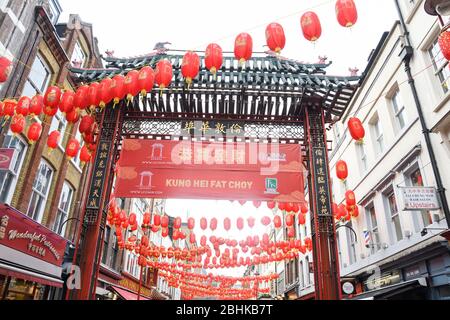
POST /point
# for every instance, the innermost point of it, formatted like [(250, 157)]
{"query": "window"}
[(398, 109), (372, 227), (78, 56), (38, 79), (337, 133), (440, 65), (114, 253), (301, 275), (55, 11), (351, 244), (308, 272), (41, 188), (8, 179), (378, 135), (341, 262), (77, 160), (106, 244), (59, 123), (395, 216), (417, 181), (362, 157), (63, 209)]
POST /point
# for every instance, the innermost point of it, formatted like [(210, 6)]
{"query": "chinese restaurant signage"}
[(21, 233), (6, 158), (213, 128), (222, 171), (420, 198), (98, 176), (321, 176)]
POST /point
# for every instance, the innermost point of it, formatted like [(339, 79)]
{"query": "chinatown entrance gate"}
[(273, 100)]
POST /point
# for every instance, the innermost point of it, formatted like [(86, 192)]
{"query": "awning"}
[(28, 275), (127, 295), (387, 292)]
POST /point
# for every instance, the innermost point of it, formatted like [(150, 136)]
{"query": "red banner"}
[(6, 157), (21, 233), (191, 170)]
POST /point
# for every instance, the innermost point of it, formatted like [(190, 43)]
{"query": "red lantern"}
[(67, 102), (17, 124), (277, 222), (190, 66), (23, 106), (9, 108), (203, 224), (290, 220), (335, 210), (73, 116), (130, 85), (118, 88), (346, 13), (165, 221), (271, 205), (85, 155), (5, 69), (157, 220), (227, 224), (163, 74), (34, 132), (240, 223), (213, 224), (93, 95), (192, 239), (356, 129), (81, 100), (146, 80), (53, 139), (342, 211), (243, 47), (311, 27), (191, 224), (146, 220), (36, 106), (444, 43), (177, 223), (291, 232), (301, 219), (73, 146), (49, 111), (350, 198), (104, 92), (251, 222), (342, 170), (165, 232), (282, 206), (52, 97), (86, 124), (213, 58), (275, 37), (265, 221), (257, 204)]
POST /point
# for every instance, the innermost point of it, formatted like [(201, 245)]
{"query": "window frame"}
[(19, 159), (351, 241), (399, 113), (439, 70), (44, 196), (362, 157), (394, 216), (371, 217), (47, 78), (64, 214), (58, 120)]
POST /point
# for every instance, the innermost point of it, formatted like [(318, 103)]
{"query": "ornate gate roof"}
[(267, 87)]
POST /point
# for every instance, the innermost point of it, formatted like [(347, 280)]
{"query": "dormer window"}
[(78, 57)]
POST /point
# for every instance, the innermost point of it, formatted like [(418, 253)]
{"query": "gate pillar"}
[(326, 265), (90, 237)]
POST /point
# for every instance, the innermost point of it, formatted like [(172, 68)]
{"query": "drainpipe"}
[(406, 55)]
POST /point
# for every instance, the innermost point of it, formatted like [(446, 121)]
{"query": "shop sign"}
[(21, 233), (348, 288), (419, 198), (6, 159), (213, 128), (385, 280)]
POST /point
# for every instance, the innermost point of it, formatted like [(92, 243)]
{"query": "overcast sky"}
[(133, 27)]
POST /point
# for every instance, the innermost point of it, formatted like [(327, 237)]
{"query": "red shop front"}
[(31, 258)]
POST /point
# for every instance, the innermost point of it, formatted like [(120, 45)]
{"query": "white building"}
[(409, 256)]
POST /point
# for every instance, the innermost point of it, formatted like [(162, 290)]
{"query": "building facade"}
[(388, 252), (40, 184)]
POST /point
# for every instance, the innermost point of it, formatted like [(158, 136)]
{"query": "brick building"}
[(42, 185)]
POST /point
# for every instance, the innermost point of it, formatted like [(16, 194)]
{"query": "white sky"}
[(133, 27)]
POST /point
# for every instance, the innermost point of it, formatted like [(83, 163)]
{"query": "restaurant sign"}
[(21, 233), (419, 198)]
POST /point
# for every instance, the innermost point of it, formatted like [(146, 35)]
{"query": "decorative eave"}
[(50, 36)]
